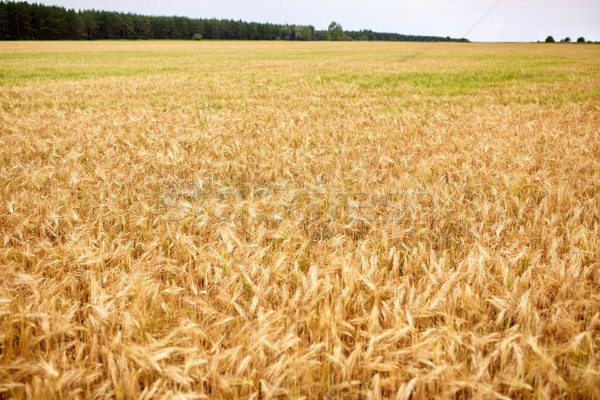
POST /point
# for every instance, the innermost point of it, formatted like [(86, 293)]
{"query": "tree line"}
[(24, 21), (336, 32)]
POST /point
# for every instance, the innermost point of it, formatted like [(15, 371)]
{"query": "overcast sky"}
[(511, 20)]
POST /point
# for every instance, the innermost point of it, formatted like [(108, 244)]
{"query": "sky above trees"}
[(511, 20)]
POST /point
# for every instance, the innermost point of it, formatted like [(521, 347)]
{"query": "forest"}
[(31, 21)]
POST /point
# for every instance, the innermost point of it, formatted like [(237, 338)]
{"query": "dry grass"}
[(217, 242)]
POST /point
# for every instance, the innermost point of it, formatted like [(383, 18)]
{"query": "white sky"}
[(511, 20)]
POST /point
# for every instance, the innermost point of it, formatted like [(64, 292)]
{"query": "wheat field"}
[(299, 220)]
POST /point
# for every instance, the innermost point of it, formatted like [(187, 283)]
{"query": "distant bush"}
[(197, 36), (581, 39), (550, 39)]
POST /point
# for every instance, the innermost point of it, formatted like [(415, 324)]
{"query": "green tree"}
[(3, 22), (22, 21), (286, 32), (550, 39), (581, 39), (141, 26), (76, 27), (253, 31), (302, 32), (335, 32), (124, 32)]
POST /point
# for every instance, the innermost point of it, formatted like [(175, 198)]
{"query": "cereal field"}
[(299, 220)]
